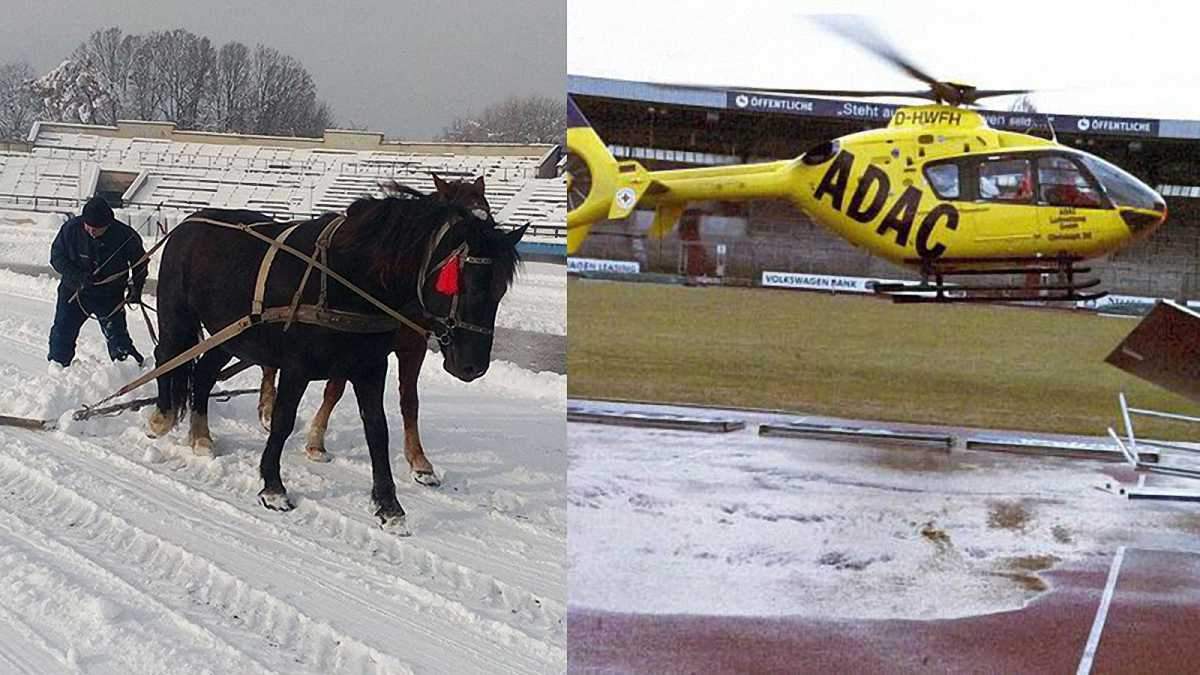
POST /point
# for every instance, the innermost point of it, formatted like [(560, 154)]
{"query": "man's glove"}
[(134, 295)]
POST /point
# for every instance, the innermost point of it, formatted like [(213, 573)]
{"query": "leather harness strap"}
[(264, 270), (275, 243)]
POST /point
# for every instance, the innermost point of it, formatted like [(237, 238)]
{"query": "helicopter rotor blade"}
[(858, 30), (790, 91), (851, 93), (991, 93)]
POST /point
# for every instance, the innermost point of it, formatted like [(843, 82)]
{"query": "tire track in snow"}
[(338, 505), (230, 482), (25, 651), (45, 566), (239, 611), (391, 599)]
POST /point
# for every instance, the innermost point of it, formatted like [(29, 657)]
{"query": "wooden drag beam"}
[(26, 423), (138, 403), (1164, 349), (88, 413)]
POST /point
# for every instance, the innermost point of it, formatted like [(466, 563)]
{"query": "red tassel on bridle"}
[(447, 281)]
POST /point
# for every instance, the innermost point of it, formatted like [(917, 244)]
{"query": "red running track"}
[(1152, 626)]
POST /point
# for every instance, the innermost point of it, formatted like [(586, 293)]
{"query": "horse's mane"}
[(390, 229)]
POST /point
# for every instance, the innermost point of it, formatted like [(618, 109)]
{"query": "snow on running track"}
[(119, 553)]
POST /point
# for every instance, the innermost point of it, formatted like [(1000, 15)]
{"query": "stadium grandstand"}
[(153, 173), (665, 127)]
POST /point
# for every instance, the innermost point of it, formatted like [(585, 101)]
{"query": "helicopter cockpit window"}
[(1122, 188), (1062, 183), (943, 178), (1006, 180)]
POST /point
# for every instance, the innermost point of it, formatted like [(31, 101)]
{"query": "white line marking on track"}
[(1089, 651)]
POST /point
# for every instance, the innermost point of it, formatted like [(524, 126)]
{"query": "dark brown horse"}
[(383, 247), (410, 349)]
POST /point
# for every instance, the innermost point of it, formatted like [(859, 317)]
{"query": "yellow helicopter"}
[(937, 190)]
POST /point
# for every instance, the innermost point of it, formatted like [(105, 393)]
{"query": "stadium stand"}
[(142, 166)]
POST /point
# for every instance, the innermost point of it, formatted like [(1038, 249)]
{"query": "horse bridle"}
[(443, 326)]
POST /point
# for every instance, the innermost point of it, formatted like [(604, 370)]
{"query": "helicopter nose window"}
[(1062, 183), (1122, 187), (1006, 180)]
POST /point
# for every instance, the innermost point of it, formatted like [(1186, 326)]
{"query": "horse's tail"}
[(178, 327), (181, 383)]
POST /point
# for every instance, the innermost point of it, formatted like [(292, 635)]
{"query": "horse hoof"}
[(427, 478), (202, 447), (317, 455), (161, 423), (392, 519), (276, 501), (395, 524)]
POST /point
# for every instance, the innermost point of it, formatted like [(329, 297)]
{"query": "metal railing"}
[(357, 166), (65, 206)]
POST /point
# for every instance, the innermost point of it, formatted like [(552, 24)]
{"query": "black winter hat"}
[(97, 213)]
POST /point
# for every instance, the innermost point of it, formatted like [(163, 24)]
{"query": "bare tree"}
[(533, 119), (183, 64), (144, 94), (230, 103), (18, 106), (285, 98), (113, 57), (178, 76)]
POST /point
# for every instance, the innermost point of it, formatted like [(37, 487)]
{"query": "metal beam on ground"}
[(1054, 448), (654, 420), (879, 435)]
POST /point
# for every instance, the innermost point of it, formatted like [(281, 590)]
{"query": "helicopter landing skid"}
[(1065, 288)]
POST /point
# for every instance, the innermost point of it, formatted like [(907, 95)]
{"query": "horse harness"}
[(321, 314), (453, 319)]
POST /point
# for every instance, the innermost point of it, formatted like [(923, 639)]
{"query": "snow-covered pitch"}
[(123, 554), (676, 522)]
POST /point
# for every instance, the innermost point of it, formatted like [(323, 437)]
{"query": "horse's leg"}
[(368, 389), (266, 396), (204, 377), (292, 384), (410, 370), (179, 333), (315, 447)]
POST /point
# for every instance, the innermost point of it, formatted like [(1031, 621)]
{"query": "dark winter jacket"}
[(76, 256)]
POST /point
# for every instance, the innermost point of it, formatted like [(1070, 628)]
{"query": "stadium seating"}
[(177, 176)]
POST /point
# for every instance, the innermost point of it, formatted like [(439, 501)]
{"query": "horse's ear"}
[(440, 185), (478, 185), (515, 236)]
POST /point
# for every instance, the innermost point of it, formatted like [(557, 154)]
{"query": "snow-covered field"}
[(123, 554), (741, 525)]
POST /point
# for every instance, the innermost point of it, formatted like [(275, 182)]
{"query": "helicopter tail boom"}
[(599, 187)]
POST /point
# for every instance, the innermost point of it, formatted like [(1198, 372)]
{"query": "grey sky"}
[(1134, 59), (406, 68)]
